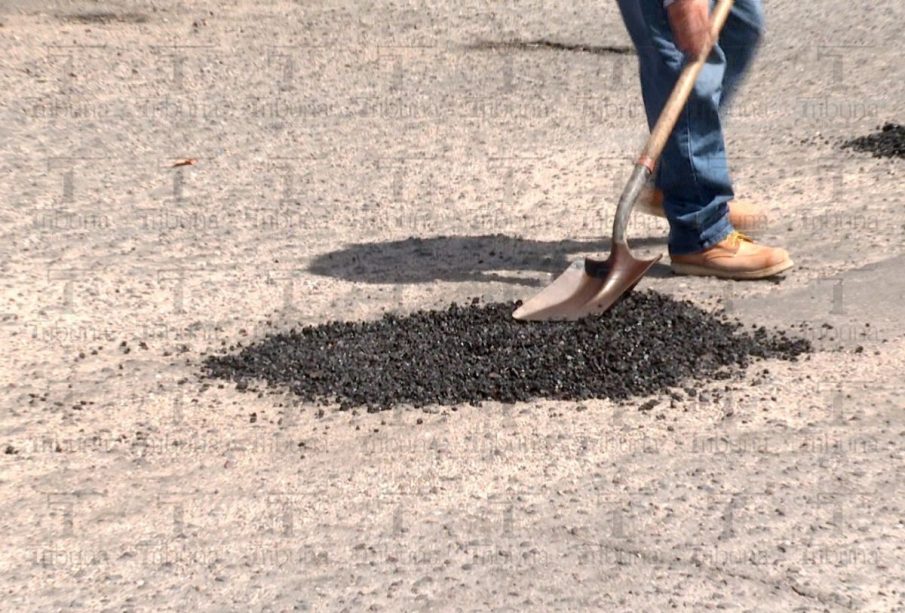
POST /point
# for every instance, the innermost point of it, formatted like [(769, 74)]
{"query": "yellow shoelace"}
[(736, 237)]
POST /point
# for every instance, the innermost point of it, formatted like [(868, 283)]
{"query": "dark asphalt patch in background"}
[(471, 353), (556, 46), (888, 141), (103, 17)]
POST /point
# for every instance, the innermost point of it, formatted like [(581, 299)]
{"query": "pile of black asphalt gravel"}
[(888, 141), (471, 353)]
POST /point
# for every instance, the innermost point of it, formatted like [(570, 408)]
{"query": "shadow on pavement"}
[(489, 258)]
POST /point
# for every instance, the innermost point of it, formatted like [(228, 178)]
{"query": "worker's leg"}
[(693, 170), (739, 40)]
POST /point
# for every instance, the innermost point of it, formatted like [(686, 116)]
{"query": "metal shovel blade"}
[(587, 287)]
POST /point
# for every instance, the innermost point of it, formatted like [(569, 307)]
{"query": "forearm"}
[(689, 21)]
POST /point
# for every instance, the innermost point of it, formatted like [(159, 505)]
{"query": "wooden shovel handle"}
[(679, 96)]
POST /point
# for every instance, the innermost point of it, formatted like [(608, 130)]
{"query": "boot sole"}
[(705, 271)]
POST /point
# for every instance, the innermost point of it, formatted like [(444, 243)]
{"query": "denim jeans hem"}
[(695, 243)]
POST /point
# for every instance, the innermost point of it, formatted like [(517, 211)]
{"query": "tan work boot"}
[(735, 257), (743, 215)]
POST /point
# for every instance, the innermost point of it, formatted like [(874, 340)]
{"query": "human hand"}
[(689, 21)]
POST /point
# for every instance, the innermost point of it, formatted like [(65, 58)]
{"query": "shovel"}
[(591, 286)]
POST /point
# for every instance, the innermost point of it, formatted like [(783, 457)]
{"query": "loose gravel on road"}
[(476, 352), (886, 142)]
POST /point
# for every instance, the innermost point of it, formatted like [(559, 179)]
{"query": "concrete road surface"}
[(178, 177)]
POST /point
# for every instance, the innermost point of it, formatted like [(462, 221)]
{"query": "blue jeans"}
[(693, 171)]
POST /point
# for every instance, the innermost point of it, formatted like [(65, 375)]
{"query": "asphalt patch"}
[(530, 45), (472, 353), (104, 18), (887, 142)]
